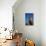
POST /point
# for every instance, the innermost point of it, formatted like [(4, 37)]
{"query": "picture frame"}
[(29, 19)]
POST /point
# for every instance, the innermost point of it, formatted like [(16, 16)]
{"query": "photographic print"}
[(28, 18)]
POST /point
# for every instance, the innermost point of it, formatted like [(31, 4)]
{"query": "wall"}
[(43, 22), (6, 16), (6, 13), (29, 32)]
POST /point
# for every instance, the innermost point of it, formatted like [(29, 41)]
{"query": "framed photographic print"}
[(29, 18)]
